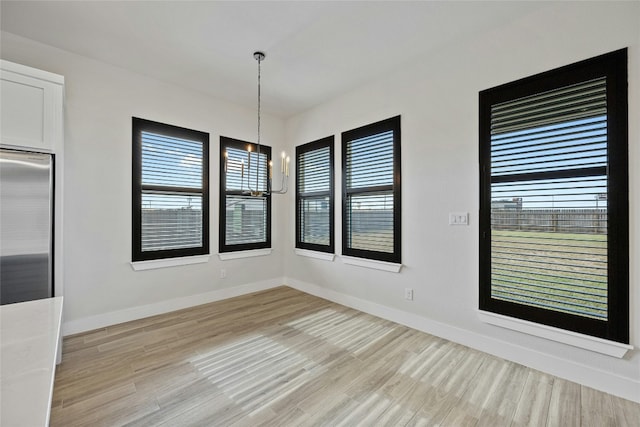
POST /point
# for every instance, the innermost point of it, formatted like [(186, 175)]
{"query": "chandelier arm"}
[(284, 186)]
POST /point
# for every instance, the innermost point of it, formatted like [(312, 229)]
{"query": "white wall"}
[(100, 287), (438, 101)]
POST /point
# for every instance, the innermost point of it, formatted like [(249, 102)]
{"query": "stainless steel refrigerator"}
[(26, 226)]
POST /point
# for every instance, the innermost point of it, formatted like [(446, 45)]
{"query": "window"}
[(371, 191), (170, 191), (554, 198), (314, 196), (245, 220)]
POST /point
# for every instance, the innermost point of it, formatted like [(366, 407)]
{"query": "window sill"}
[(598, 345), (370, 263), (226, 256), (169, 262), (326, 256)]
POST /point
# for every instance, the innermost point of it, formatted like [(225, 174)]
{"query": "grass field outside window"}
[(557, 271)]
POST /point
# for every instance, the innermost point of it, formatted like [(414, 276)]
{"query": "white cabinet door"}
[(31, 108)]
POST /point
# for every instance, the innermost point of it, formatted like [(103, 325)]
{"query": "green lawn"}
[(562, 272)]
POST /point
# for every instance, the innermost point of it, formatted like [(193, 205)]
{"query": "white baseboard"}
[(135, 313), (589, 376)]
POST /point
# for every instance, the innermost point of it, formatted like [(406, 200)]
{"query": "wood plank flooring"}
[(285, 358)]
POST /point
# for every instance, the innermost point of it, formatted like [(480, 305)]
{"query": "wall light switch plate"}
[(458, 218)]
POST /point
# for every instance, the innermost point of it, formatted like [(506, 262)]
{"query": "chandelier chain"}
[(259, 60)]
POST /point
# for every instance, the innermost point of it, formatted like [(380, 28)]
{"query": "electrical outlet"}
[(408, 294), (223, 273)]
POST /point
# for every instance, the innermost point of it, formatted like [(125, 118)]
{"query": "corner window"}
[(170, 191), (314, 196), (371, 191), (554, 198), (245, 219)]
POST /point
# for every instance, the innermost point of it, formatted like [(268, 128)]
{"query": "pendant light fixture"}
[(253, 188)]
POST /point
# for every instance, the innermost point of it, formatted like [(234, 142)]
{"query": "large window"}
[(371, 191), (554, 198), (170, 191), (314, 196), (245, 219)]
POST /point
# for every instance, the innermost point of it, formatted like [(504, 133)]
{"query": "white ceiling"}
[(315, 50)]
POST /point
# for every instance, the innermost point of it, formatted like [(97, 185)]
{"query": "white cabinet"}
[(31, 108)]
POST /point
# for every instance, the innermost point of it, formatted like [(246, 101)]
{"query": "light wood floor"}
[(282, 357)]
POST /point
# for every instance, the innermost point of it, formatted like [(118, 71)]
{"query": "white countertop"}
[(29, 337)]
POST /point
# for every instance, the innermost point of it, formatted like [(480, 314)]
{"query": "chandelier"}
[(254, 188)]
